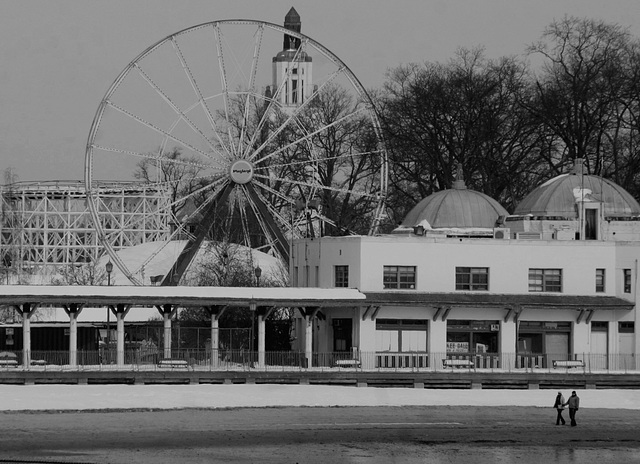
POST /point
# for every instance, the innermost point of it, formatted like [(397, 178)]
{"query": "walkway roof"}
[(183, 296)]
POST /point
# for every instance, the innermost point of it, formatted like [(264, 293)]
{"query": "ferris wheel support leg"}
[(281, 242), (191, 248)]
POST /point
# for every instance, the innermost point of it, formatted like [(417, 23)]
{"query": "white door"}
[(599, 350), (626, 344)]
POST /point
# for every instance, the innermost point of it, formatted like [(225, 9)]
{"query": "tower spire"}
[(293, 23)]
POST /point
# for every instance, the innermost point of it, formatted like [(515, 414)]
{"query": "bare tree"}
[(81, 274), (583, 95), (465, 112), (179, 173)]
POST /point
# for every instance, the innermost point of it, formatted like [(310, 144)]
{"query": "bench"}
[(573, 363), (38, 362), (347, 363), (173, 363), (457, 363), (8, 363)]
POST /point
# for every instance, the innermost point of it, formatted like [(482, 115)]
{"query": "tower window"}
[(600, 280), (627, 280), (341, 276)]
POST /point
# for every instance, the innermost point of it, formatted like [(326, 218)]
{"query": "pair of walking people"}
[(574, 405)]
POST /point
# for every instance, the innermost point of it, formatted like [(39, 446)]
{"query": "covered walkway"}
[(26, 299)]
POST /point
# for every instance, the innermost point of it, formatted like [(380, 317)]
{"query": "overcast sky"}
[(58, 57)]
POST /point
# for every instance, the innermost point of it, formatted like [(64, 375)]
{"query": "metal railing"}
[(226, 359)]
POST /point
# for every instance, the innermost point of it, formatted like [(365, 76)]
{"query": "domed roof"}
[(559, 196), (458, 207)]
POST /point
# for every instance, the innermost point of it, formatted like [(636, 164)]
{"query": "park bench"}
[(8, 363), (173, 364), (38, 362), (347, 363), (457, 363), (570, 363)]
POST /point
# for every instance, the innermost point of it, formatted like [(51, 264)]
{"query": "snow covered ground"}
[(105, 397)]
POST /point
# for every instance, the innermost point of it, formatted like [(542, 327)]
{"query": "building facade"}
[(538, 288)]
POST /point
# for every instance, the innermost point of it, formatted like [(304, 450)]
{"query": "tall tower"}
[(293, 66)]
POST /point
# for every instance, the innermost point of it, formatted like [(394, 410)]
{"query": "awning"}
[(502, 300)]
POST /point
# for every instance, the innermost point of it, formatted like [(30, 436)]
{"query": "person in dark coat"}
[(559, 405), (574, 405)]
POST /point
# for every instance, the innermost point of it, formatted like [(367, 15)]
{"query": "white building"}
[(460, 279)]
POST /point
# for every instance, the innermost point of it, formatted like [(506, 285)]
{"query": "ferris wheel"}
[(251, 132)]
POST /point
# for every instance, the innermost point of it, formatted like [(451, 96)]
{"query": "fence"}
[(233, 359)]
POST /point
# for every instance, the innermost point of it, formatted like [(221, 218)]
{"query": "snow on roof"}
[(187, 296)]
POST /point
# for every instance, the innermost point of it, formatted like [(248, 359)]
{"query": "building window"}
[(600, 280), (627, 280), (626, 327), (401, 335), (545, 280), (341, 276), (472, 278), (399, 277)]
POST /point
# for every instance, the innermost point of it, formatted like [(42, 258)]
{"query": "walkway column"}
[(73, 310), (309, 314), (308, 339), (167, 311), (120, 310), (437, 338), (26, 311), (508, 343), (215, 311), (261, 339)]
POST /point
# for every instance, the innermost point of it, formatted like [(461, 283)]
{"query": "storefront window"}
[(477, 337)]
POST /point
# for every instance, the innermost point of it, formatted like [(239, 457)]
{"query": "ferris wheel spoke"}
[(273, 101), (220, 182), (252, 82), (202, 229), (309, 136), (174, 107), (361, 194), (225, 85), (312, 161), (275, 212), (273, 191), (158, 130), (258, 215), (198, 93), (294, 115), (154, 157), (271, 228)]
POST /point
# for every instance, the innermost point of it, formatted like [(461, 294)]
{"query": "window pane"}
[(399, 277), (472, 278), (342, 276), (387, 340), (545, 280), (600, 280)]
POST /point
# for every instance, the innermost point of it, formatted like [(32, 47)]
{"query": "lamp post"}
[(109, 268)]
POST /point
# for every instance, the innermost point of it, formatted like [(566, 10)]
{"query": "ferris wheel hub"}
[(241, 171)]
